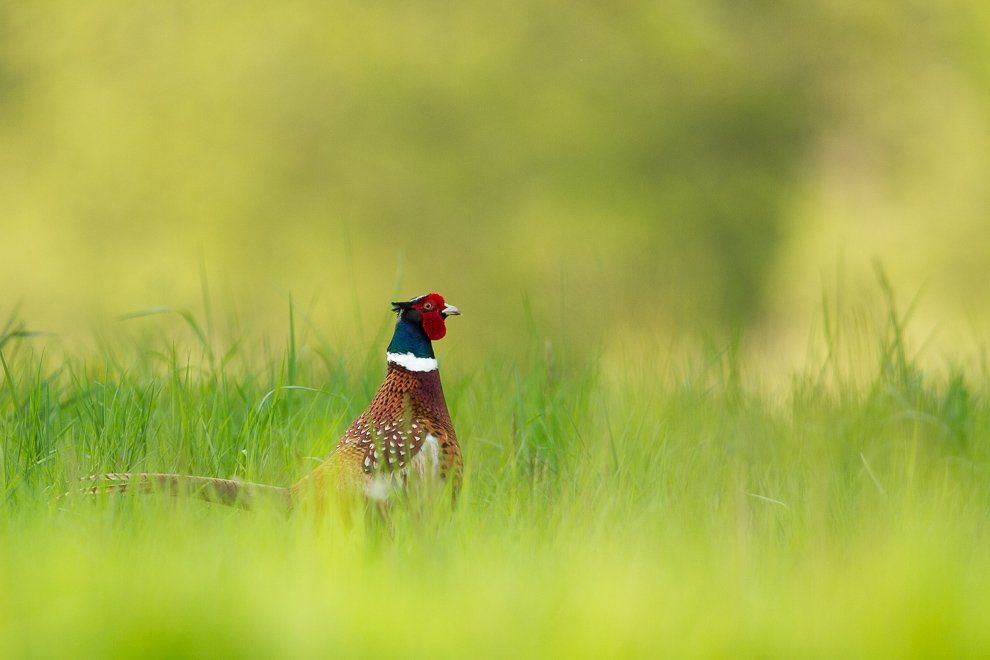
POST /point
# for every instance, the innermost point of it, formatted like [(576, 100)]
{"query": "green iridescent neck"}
[(409, 337)]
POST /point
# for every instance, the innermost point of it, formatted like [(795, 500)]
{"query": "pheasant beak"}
[(450, 310)]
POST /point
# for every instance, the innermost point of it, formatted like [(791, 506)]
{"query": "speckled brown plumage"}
[(388, 439)]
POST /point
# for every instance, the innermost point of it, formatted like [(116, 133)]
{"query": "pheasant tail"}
[(245, 495)]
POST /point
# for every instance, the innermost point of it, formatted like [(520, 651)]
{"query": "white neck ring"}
[(412, 363)]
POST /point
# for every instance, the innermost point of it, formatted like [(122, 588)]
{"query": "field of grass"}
[(682, 511)]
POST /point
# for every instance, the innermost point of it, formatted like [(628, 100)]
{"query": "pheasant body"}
[(405, 433)]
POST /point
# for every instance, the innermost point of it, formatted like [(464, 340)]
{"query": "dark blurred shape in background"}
[(626, 166)]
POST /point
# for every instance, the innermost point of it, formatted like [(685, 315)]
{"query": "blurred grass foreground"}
[(206, 207)]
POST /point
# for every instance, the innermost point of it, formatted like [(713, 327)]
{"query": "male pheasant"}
[(407, 426), (405, 433)]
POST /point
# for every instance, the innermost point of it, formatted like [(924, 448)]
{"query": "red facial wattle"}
[(434, 326)]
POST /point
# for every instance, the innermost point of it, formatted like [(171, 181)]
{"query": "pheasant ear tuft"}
[(399, 306)]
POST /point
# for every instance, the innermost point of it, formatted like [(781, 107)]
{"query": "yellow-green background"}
[(628, 181), (630, 169)]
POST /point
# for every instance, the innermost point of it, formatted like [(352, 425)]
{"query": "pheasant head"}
[(421, 321)]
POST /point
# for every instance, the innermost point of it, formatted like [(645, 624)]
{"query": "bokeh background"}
[(601, 173)]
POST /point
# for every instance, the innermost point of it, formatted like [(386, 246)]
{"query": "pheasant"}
[(405, 433)]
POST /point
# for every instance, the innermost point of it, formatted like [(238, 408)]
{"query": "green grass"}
[(608, 512)]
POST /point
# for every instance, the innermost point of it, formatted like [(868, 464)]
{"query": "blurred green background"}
[(603, 187), (618, 171)]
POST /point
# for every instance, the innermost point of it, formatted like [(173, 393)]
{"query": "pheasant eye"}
[(428, 306)]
